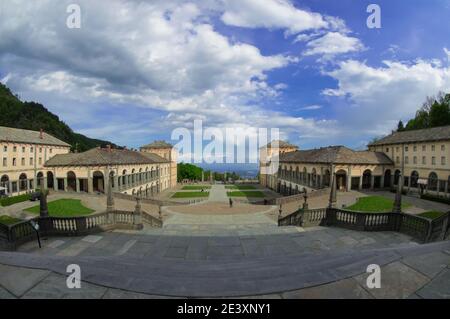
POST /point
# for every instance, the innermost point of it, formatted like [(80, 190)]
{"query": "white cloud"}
[(272, 14), (448, 54), (311, 107), (161, 55), (333, 43), (380, 96)]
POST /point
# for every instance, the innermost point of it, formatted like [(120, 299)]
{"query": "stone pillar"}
[(372, 182), (109, 196), (333, 193), (398, 196), (116, 183), (44, 182), (55, 182), (137, 214), (65, 184), (10, 187), (77, 185), (90, 185), (438, 187), (382, 180), (43, 208), (360, 182), (446, 188)]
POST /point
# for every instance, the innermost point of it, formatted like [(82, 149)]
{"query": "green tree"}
[(400, 126)]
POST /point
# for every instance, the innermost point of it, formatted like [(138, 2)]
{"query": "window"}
[(406, 148), (442, 147), (415, 159), (5, 148), (40, 149), (424, 160), (31, 149), (40, 160), (15, 149), (432, 148), (4, 161), (14, 161), (31, 161), (387, 149), (406, 160), (23, 149), (397, 149), (22, 162), (415, 148), (424, 148), (397, 159), (443, 160), (50, 151), (433, 160)]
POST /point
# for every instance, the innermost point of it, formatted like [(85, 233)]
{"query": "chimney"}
[(41, 134)]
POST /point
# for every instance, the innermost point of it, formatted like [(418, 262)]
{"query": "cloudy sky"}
[(135, 70)]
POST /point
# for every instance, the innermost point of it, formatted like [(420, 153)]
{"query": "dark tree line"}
[(34, 116), (435, 111)]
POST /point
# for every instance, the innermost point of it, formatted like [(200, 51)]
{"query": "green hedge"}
[(394, 190), (8, 201), (435, 198)]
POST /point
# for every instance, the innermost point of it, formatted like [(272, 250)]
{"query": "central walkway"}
[(218, 193)]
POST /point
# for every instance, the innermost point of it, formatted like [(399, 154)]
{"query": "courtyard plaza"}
[(202, 251)]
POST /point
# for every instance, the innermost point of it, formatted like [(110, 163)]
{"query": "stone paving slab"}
[(397, 281), (19, 280), (438, 288), (55, 287), (429, 264), (342, 289)]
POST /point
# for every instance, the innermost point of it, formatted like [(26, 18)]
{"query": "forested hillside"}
[(34, 116)]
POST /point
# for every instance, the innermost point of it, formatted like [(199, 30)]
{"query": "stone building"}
[(30, 158), (166, 151), (313, 169), (421, 155), (23, 154), (269, 156), (131, 172)]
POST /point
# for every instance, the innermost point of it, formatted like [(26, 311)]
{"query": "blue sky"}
[(136, 70)]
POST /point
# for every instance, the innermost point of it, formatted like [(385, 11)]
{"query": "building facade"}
[(23, 154), (166, 151), (422, 156), (269, 156), (31, 158), (313, 169)]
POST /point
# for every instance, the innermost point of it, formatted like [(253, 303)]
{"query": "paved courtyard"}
[(212, 250), (227, 256)]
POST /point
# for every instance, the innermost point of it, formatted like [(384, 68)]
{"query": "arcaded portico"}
[(131, 172), (314, 168)]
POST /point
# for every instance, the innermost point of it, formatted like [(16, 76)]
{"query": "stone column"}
[(65, 184), (372, 182), (349, 178), (77, 180), (90, 185), (398, 196), (55, 182), (116, 183), (44, 182), (109, 196), (382, 180), (333, 193)]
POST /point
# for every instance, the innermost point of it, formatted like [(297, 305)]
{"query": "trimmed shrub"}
[(434, 198), (8, 201)]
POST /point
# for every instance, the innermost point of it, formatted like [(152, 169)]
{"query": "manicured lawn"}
[(64, 208), (239, 187), (431, 214), (250, 194), (8, 220), (190, 194), (374, 204), (195, 187)]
